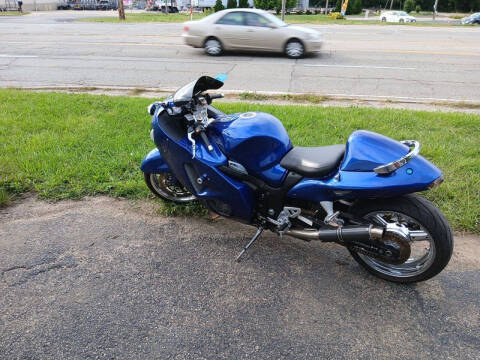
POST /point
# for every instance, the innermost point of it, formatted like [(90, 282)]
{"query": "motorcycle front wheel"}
[(431, 237), (167, 187)]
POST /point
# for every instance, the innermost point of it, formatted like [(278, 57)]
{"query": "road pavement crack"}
[(19, 274)]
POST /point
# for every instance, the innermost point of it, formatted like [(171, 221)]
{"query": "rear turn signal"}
[(186, 28)]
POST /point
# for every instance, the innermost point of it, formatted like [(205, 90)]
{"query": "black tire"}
[(181, 197), (384, 19), (426, 214), (294, 49), (213, 46), (401, 20)]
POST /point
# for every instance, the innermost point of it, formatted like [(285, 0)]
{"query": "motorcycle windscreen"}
[(187, 92)]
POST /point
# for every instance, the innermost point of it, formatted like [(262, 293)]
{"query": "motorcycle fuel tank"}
[(256, 140)]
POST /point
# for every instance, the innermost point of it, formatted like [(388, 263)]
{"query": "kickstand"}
[(255, 237)]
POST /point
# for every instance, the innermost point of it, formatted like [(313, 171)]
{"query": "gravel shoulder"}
[(107, 278)]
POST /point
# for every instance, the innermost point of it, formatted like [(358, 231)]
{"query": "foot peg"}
[(255, 237)]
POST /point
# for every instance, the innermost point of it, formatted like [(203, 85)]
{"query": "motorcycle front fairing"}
[(356, 178), (200, 175), (153, 163)]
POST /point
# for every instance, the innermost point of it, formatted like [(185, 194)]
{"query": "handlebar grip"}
[(206, 141), (216, 96)]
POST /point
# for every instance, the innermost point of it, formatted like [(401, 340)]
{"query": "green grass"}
[(13, 13), (68, 146), (146, 17), (291, 19)]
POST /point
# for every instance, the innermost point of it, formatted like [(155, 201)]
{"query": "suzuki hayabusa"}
[(243, 166)]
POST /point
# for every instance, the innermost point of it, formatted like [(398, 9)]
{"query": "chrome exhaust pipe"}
[(341, 235)]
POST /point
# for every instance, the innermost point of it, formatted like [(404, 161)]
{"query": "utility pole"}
[(435, 9), (391, 5), (121, 10), (326, 8), (283, 9), (166, 7)]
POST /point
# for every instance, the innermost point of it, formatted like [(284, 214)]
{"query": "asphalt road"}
[(376, 62), (110, 279)]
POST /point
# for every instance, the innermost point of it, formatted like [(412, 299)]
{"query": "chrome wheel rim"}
[(165, 185), (213, 47), (294, 49), (421, 244)]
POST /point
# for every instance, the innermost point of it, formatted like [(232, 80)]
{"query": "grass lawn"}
[(68, 146), (146, 17), (291, 19), (13, 13)]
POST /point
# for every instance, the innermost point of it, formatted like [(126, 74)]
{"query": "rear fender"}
[(153, 163)]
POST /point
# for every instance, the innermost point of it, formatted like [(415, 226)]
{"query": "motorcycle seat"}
[(313, 162)]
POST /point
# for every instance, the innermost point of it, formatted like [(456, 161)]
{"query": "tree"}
[(338, 6), (274, 4), (409, 6), (243, 4), (231, 4), (219, 6), (357, 7), (354, 7), (121, 10)]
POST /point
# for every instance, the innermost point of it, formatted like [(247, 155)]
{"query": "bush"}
[(243, 4), (409, 6), (308, 12), (336, 16), (219, 6), (418, 8)]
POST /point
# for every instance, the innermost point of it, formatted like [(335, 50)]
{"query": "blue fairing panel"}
[(366, 150), (153, 163), (215, 185), (356, 178)]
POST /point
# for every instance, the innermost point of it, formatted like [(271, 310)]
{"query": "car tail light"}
[(186, 28)]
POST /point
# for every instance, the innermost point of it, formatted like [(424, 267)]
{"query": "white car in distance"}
[(396, 16)]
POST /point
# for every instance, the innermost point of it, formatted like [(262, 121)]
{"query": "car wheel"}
[(384, 19), (294, 49), (401, 20), (213, 47)]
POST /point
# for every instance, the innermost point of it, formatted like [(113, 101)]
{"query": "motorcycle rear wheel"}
[(432, 240), (167, 187)]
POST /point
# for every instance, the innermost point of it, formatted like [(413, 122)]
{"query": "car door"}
[(231, 30), (261, 35)]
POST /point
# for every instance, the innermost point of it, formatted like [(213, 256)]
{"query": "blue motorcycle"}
[(243, 166)]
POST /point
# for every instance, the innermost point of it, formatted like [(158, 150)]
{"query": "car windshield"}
[(273, 19)]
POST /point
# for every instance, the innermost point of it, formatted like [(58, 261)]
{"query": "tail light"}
[(186, 28)]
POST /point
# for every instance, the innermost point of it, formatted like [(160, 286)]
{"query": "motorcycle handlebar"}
[(206, 141), (210, 98), (216, 96)]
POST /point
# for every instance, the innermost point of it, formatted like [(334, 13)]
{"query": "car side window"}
[(233, 18), (252, 19)]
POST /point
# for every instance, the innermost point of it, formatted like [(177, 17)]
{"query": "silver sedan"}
[(252, 30)]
